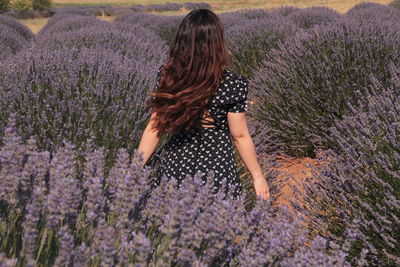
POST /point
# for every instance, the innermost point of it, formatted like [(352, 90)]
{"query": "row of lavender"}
[(14, 37), (310, 73), (62, 210), (170, 7), (336, 88)]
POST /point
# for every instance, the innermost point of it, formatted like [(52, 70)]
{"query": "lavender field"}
[(322, 85)]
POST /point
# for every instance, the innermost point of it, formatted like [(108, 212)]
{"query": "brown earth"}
[(296, 167)]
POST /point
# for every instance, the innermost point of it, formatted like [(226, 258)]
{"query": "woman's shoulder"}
[(234, 83), (232, 89), (233, 76)]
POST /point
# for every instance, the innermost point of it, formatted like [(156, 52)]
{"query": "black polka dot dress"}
[(209, 148)]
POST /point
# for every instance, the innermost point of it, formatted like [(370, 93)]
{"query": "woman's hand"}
[(244, 144), (261, 187)]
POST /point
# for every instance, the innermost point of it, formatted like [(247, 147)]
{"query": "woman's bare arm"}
[(149, 139), (244, 144)]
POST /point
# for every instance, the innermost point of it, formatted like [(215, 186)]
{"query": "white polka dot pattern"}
[(209, 148)]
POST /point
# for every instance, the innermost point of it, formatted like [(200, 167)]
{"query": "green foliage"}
[(395, 3), (4, 5), (21, 5), (41, 4)]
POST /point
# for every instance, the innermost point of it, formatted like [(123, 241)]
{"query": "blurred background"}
[(224, 5), (36, 18)]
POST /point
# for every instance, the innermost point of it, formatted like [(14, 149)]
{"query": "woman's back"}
[(230, 96), (210, 147), (202, 106)]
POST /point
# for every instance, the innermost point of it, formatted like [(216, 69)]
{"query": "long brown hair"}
[(191, 74)]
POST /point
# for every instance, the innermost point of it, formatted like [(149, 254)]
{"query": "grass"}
[(218, 6)]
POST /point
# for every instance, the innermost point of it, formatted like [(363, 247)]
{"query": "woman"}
[(202, 106)]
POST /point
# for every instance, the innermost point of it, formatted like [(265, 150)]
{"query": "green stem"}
[(42, 242)]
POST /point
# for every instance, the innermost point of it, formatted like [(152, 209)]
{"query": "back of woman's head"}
[(191, 74)]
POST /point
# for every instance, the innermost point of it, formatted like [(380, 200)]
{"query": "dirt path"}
[(298, 169)]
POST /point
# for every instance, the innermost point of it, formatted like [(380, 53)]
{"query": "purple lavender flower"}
[(370, 12), (174, 223), (285, 10), (20, 28), (164, 26), (104, 95), (34, 210), (11, 42), (262, 35), (135, 42), (64, 196), (309, 17), (11, 160), (292, 85), (65, 257), (93, 179), (361, 181), (191, 5), (67, 22)]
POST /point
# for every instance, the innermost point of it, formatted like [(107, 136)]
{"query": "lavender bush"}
[(191, 5), (133, 41), (67, 22), (285, 10), (5, 50), (95, 93), (82, 215), (256, 13), (250, 40), (372, 12), (11, 42), (304, 85), (309, 17), (169, 7), (231, 18), (164, 26), (365, 5), (163, 7), (138, 8), (361, 180), (241, 16), (18, 27)]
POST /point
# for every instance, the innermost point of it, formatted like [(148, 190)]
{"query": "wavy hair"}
[(191, 74)]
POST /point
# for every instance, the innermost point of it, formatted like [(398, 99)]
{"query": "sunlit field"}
[(323, 95), (218, 7), (341, 6)]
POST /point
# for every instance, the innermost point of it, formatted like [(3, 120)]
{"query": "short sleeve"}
[(241, 91)]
